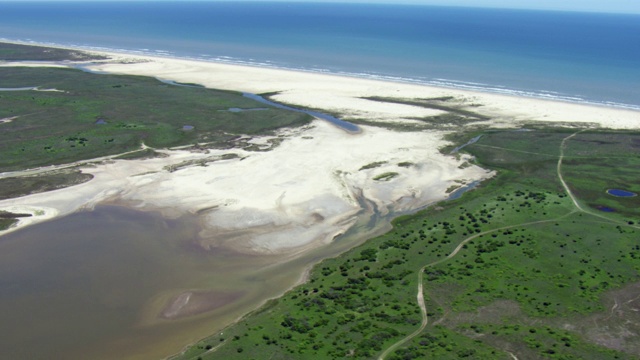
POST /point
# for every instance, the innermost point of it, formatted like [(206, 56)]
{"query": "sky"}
[(617, 6), (609, 6)]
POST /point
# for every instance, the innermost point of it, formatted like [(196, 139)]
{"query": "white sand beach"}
[(345, 94), (312, 186)]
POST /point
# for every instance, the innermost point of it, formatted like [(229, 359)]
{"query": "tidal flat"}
[(141, 277)]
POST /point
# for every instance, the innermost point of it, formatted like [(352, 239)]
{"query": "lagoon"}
[(97, 283), (113, 283)]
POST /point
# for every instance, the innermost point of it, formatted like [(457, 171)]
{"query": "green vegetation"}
[(73, 115), (453, 115), (385, 176), (96, 115), (513, 267), (11, 187), (406, 164), (7, 219), (7, 223), (373, 165), (10, 215), (16, 52)]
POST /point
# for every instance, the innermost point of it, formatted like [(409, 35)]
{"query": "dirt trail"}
[(420, 296), (44, 169)]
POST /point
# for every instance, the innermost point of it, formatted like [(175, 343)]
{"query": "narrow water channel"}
[(332, 119), (345, 125)]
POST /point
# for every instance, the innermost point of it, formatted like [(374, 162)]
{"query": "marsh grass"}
[(17, 52), (96, 115), (12, 187)]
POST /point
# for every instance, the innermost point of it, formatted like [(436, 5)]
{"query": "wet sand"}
[(118, 283)]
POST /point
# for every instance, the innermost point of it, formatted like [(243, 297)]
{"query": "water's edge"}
[(439, 83)]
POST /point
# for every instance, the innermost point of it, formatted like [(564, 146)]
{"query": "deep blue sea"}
[(582, 57)]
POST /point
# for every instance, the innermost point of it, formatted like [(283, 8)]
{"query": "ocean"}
[(579, 57)]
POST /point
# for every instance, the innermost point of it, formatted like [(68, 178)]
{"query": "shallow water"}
[(96, 283), (99, 284), (571, 56), (18, 89), (621, 193), (335, 121), (605, 208)]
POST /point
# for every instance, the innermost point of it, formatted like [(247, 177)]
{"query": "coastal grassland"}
[(11, 187), (7, 223), (18, 52), (617, 152), (513, 267), (90, 115)]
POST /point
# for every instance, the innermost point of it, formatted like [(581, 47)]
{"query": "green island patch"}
[(19, 52), (7, 219), (373, 165), (406, 164), (385, 176)]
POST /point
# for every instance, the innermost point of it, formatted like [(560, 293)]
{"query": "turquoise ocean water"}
[(580, 57)]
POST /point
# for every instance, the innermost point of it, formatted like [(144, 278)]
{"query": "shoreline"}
[(349, 97), (296, 197), (444, 84), (349, 92)]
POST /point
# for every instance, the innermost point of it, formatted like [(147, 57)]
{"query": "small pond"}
[(237, 110), (605, 208), (459, 192), (621, 193)]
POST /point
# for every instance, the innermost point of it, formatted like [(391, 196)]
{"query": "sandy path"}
[(420, 293)]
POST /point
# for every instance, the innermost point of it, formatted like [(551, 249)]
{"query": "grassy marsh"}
[(11, 187), (18, 52), (95, 115)]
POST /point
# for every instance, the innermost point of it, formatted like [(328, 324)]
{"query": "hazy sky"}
[(619, 6)]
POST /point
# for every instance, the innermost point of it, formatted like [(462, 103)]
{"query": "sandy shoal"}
[(312, 186)]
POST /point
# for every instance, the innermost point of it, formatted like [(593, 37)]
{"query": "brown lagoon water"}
[(97, 284)]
